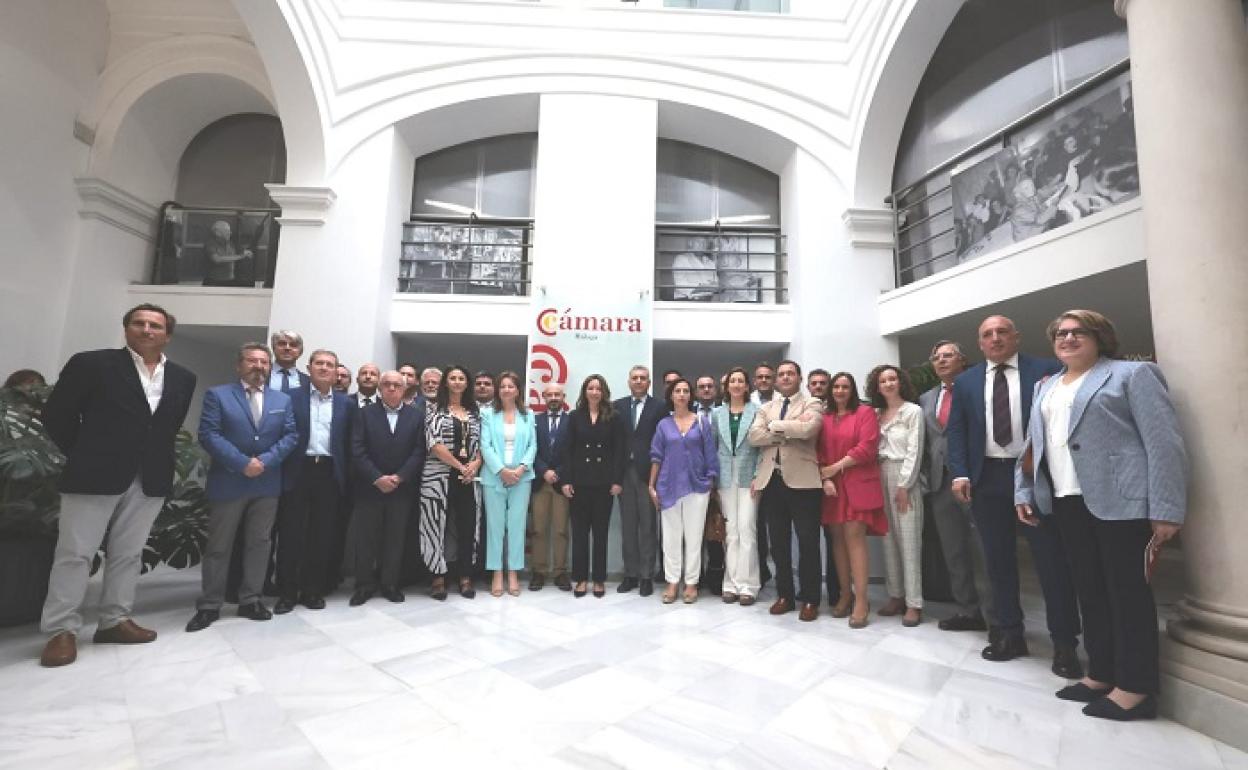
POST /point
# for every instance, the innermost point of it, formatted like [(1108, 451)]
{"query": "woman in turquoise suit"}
[(508, 446)]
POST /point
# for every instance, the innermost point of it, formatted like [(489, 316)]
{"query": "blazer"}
[(493, 447), (547, 456), (799, 467), (594, 454), (967, 426), (339, 435), (935, 443), (377, 452), (355, 398), (1125, 443), (737, 462), (231, 437), (99, 417), (639, 439), (861, 482)]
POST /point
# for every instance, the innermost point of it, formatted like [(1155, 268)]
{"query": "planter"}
[(25, 562)]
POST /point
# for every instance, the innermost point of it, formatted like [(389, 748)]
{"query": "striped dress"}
[(437, 534)]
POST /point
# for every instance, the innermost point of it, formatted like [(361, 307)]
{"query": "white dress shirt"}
[(320, 420), (1055, 409), (255, 401), (153, 382), (901, 439), (392, 415), (359, 399), (1015, 448)]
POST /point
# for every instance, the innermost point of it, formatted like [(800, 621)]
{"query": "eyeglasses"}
[(946, 356), (1078, 333)]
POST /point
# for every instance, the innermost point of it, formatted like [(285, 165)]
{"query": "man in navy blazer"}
[(314, 478), (247, 429), (640, 413), (388, 453), (115, 414), (986, 432), (548, 522)]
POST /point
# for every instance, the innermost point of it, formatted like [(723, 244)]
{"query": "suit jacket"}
[(99, 417), (339, 435), (639, 439), (1125, 442), (231, 437), (493, 447), (967, 427), (548, 447), (798, 466), (737, 462), (305, 381), (935, 443), (377, 452), (594, 453)]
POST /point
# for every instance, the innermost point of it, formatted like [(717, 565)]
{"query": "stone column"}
[(1189, 64)]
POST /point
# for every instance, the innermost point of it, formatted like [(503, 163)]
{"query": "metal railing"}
[(466, 257), (720, 264), (931, 235), (206, 246)]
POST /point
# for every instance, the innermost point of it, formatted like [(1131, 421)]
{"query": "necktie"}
[(636, 403), (554, 426), (946, 402), (784, 409), (285, 380), (1002, 432), (366, 400), (253, 397)]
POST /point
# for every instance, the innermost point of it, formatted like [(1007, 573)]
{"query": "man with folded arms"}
[(247, 429), (387, 453)]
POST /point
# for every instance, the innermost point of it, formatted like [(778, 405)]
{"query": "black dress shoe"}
[(537, 582), (393, 594), (312, 602), (202, 619), (360, 596), (1066, 662), (599, 591), (562, 582), (254, 611), (467, 591), (1006, 648), (1081, 693), (994, 634), (1104, 708), (963, 622), (284, 606), (645, 587), (628, 584)]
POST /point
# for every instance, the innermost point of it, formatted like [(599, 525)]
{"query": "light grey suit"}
[(1124, 441), (961, 548)]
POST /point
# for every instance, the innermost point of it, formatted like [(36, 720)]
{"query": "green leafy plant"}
[(29, 466), (181, 529), (923, 377)]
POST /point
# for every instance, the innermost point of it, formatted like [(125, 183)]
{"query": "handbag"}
[(716, 527)]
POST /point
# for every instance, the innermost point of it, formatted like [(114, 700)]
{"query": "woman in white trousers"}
[(737, 461)]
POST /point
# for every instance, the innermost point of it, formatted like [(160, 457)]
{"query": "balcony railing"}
[(477, 257), (720, 264), (216, 246), (1065, 160)]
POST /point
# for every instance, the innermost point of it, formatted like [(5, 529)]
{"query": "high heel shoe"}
[(438, 589), (496, 586), (579, 590), (466, 590), (860, 621), (841, 609), (600, 590)]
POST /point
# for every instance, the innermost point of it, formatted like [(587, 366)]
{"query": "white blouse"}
[(1055, 408), (509, 443), (901, 438)]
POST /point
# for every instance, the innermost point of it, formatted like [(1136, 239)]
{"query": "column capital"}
[(869, 228), (301, 205), (108, 203)]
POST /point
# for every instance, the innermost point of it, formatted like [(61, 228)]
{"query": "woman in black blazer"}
[(592, 456)]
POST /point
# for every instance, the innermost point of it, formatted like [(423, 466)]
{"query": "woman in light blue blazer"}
[(737, 461), (508, 446), (1104, 456)]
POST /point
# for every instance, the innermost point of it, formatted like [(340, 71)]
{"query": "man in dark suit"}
[(247, 429), (548, 508), (640, 413), (313, 480), (986, 430), (115, 415), (366, 381), (388, 453), (287, 348)]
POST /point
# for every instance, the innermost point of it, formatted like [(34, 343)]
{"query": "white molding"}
[(869, 228), (105, 202), (301, 206)]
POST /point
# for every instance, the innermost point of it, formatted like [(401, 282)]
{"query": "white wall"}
[(50, 53)]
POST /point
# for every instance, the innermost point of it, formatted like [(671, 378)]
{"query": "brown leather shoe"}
[(125, 632), (746, 600), (61, 650), (809, 612), (781, 606)]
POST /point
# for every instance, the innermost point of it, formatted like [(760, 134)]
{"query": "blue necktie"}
[(285, 380)]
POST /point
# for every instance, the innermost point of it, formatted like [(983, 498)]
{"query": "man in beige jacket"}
[(786, 430)]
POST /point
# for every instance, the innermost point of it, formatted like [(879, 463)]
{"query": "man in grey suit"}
[(963, 558)]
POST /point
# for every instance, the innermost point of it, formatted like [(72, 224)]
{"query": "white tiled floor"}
[(548, 681)]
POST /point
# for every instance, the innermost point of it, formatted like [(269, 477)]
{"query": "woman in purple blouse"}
[(683, 468)]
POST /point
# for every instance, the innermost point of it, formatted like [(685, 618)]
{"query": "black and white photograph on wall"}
[(213, 247), (1075, 163), (697, 267), (463, 259)]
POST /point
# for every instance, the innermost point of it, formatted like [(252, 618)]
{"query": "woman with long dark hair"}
[(508, 447), (737, 461)]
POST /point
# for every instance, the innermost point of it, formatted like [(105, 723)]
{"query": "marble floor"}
[(548, 681)]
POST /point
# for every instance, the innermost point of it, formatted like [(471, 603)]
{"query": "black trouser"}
[(335, 554), (830, 578), (305, 522), (591, 513), (380, 527), (1119, 616), (461, 528), (764, 571), (786, 509), (992, 506)]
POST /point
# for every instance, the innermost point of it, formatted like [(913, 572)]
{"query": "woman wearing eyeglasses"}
[(1105, 458)]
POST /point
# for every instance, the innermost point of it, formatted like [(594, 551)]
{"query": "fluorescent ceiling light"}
[(458, 209)]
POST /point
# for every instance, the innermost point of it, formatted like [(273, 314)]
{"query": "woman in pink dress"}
[(853, 504)]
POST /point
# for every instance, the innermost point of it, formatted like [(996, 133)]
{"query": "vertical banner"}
[(574, 334)]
